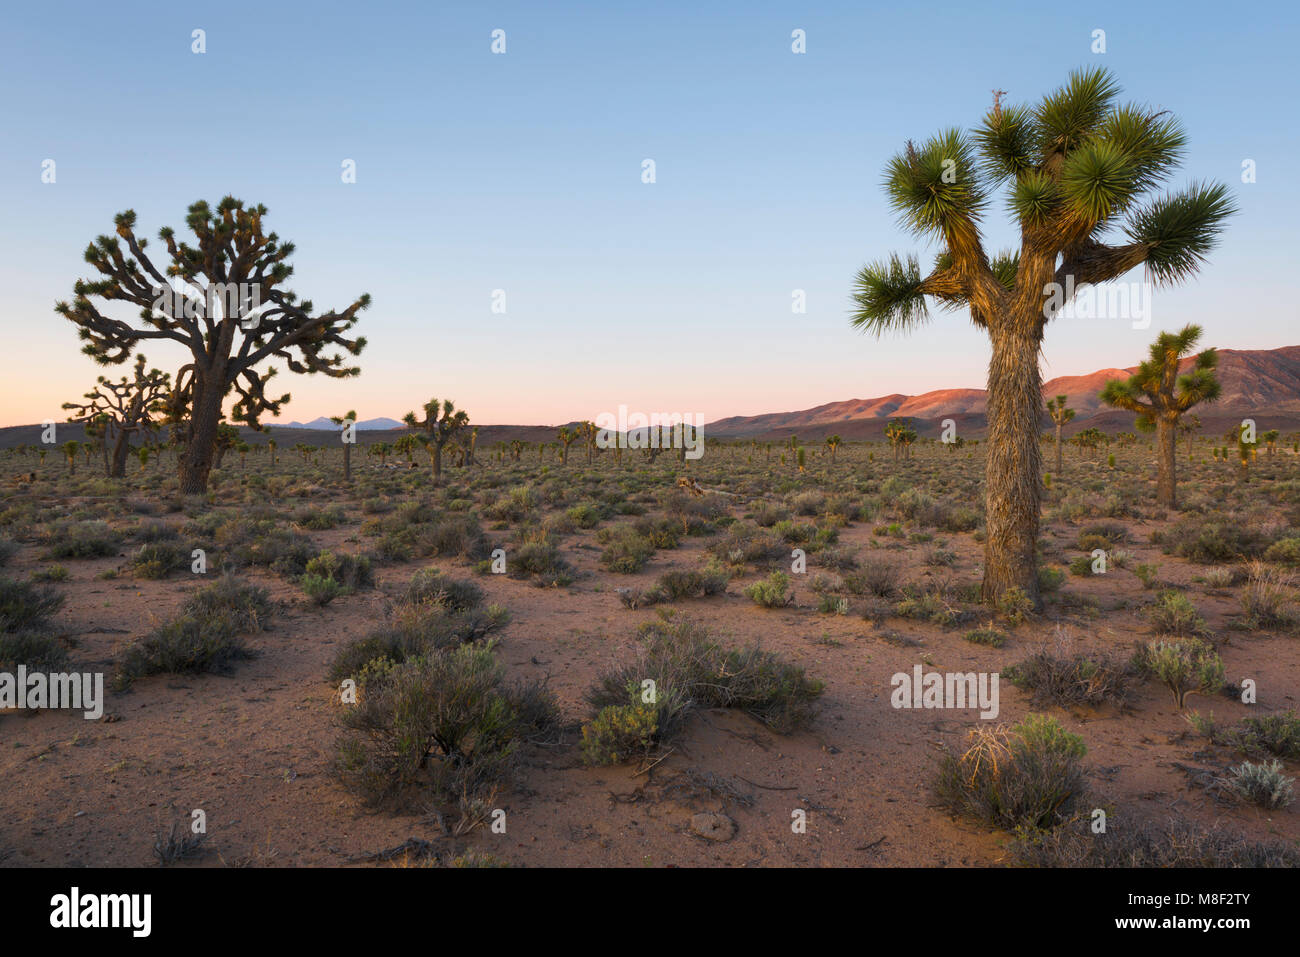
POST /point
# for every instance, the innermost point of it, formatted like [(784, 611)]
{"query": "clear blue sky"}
[(522, 171)]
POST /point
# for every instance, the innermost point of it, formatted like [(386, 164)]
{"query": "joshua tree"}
[(121, 409), (473, 444), (70, 450), (516, 450), (567, 437), (227, 438), (230, 313), (271, 446), (1160, 396), (1189, 425), (833, 442), (901, 435), (440, 423), (348, 419), (1270, 440), (1060, 415), (1076, 164)]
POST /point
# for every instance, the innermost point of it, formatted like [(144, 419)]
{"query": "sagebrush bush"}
[(772, 591), (1262, 784), (1174, 614), (24, 605), (445, 726), (681, 667), (1186, 666), (1167, 844), (1028, 777)]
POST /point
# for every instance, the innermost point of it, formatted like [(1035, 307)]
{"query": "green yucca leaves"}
[(1008, 140), (1034, 198), (1097, 180), (1066, 117), (888, 295), (935, 187), (1181, 228)]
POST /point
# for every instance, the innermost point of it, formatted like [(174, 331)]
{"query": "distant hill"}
[(1263, 383), (323, 423)]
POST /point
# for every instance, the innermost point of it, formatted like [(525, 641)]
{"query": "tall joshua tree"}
[(122, 409), (231, 313), (1075, 165), (346, 421), (1060, 415), (1160, 396), (441, 421)]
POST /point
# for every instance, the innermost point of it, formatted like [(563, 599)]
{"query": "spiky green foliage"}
[(1158, 389), (1074, 166)]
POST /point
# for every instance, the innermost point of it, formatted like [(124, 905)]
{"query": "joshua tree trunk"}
[(435, 456), (121, 448), (1013, 469), (1058, 450), (197, 460), (1167, 464), (347, 462)]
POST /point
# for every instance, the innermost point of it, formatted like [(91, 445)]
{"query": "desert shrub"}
[(588, 515), (158, 559), (415, 630), (1285, 551), (929, 605), (659, 532), (875, 576), (680, 667), (321, 519), (626, 550), (261, 543), (93, 539), (1028, 777), (1051, 579), (26, 606), (1147, 574), (453, 536), (8, 550), (989, 636), (330, 575), (430, 586), (960, 519), (1104, 536), (620, 733), (1273, 734), (1268, 600), (1059, 677), (744, 545), (539, 559), (1168, 844), (711, 580), (1210, 542), (1014, 605), (766, 514), (51, 573), (1174, 614), (153, 530), (186, 645), (236, 604), (1186, 666), (36, 650), (771, 592), (1262, 784), (444, 725)]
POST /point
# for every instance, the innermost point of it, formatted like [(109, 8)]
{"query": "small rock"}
[(713, 827)]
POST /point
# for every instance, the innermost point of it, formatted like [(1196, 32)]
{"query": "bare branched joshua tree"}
[(441, 421), (1076, 165), (115, 411), (222, 300)]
